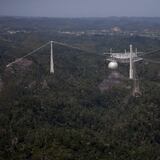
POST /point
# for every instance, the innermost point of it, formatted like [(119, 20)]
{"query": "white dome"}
[(113, 65)]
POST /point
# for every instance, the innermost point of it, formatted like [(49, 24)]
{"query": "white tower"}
[(131, 63), (51, 60)]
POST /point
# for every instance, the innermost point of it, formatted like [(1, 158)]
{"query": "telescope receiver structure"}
[(128, 57)]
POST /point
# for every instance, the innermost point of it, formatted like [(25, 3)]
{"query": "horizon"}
[(23, 16)]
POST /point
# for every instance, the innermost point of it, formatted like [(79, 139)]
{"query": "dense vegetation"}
[(65, 116)]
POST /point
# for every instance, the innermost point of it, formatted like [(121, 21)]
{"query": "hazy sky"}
[(80, 8)]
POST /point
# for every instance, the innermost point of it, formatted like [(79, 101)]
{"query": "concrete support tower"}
[(131, 63), (51, 60)]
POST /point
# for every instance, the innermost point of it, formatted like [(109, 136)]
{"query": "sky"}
[(80, 8)]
